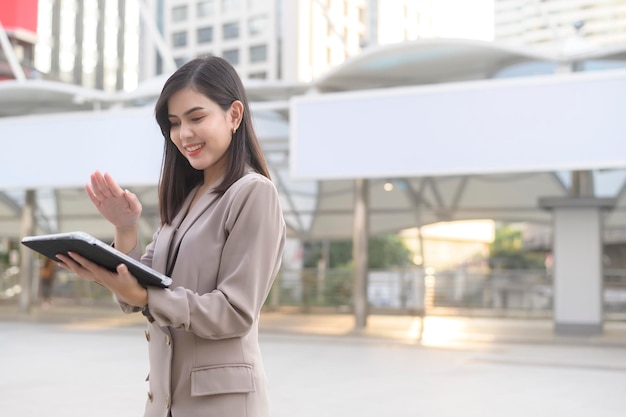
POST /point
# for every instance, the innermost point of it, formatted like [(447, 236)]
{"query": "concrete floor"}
[(78, 369)]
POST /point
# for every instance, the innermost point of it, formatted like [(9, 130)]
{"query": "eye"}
[(174, 124), (197, 119)]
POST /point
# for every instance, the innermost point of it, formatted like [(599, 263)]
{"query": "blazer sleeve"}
[(249, 263)]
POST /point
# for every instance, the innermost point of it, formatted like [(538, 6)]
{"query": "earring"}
[(234, 130)]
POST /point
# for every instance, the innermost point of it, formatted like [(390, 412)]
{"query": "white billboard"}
[(535, 124), (62, 150)]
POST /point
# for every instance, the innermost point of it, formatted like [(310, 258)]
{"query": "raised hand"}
[(120, 207)]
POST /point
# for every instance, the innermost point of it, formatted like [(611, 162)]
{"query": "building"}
[(93, 43), (243, 31), (19, 20), (560, 24), (299, 40), (113, 45)]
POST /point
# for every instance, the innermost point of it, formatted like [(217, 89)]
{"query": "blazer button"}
[(147, 333), (168, 340), (150, 396), (167, 402)]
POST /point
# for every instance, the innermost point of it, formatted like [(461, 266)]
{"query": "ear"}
[(235, 113)]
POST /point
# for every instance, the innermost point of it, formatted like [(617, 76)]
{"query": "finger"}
[(133, 201), (62, 264), (112, 186), (66, 260), (71, 264), (122, 270), (97, 182), (92, 195), (83, 262), (84, 268), (124, 276)]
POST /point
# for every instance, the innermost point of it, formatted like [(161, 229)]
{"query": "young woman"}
[(221, 241)]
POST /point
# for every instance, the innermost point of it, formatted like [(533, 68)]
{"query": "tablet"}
[(96, 251)]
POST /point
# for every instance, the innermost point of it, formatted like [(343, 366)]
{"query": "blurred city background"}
[(527, 221)]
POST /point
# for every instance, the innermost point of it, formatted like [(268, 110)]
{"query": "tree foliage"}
[(383, 253), (507, 251)]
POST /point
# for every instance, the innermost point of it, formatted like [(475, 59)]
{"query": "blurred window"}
[(179, 13), (258, 53), (205, 8), (205, 35), (257, 25), (179, 39), (231, 30), (232, 56), (258, 4), (230, 5)]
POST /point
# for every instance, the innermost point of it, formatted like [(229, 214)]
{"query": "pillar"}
[(359, 254), (578, 270), (27, 257)]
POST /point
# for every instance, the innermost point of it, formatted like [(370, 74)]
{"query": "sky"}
[(469, 19)]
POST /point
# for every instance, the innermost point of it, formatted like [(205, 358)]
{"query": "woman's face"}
[(202, 131)]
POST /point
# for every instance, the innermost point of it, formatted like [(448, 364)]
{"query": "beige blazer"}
[(203, 344)]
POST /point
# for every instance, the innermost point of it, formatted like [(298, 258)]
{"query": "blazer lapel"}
[(171, 235), (188, 218), (202, 205), (161, 248), (165, 239)]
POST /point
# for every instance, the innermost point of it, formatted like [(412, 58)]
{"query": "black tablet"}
[(96, 251)]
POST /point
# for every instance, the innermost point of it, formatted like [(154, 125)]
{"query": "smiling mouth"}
[(194, 148)]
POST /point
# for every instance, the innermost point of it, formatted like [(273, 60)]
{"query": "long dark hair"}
[(217, 79)]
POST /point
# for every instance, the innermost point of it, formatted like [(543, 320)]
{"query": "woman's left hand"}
[(121, 282)]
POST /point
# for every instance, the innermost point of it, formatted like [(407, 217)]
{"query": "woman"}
[(221, 241), (46, 280)]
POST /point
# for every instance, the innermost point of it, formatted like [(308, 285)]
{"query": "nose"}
[(185, 131)]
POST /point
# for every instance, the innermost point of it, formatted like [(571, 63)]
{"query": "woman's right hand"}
[(120, 207)]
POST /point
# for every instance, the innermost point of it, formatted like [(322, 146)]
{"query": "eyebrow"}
[(191, 110)]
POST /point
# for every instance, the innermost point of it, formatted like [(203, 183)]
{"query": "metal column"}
[(121, 50), (27, 258), (79, 31), (359, 254)]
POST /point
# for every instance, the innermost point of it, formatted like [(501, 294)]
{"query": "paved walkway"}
[(76, 361), (435, 331)]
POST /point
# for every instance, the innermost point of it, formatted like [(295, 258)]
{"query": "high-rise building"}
[(93, 43), (298, 40), (246, 32), (114, 44), (560, 25), (317, 35)]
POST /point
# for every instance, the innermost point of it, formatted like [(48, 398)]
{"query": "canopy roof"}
[(423, 62), (394, 65), (317, 209)]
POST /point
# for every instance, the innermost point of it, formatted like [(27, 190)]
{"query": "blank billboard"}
[(536, 124), (62, 150)]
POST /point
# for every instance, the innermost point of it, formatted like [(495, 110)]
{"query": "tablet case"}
[(96, 251)]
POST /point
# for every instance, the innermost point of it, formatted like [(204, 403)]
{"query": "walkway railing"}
[(523, 293)]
